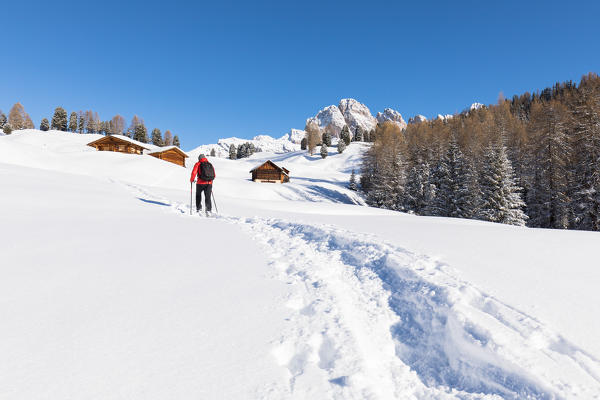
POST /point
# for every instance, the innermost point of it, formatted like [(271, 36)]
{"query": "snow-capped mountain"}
[(476, 106), (391, 115), (357, 114), (416, 119), (444, 117), (294, 136), (330, 116), (285, 144), (348, 112)]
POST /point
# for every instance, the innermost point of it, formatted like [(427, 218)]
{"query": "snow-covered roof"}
[(166, 148), (146, 146), (284, 170)]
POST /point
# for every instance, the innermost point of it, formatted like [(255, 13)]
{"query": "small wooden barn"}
[(171, 154), (119, 143), (270, 172)]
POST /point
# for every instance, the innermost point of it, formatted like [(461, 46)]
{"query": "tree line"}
[(87, 122), (532, 160)]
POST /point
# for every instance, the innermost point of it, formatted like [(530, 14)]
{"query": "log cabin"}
[(171, 154), (119, 143), (270, 172)]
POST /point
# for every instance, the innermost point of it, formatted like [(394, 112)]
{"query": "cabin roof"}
[(123, 138), (168, 148), (285, 171)]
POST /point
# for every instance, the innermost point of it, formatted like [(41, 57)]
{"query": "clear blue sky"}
[(206, 71)]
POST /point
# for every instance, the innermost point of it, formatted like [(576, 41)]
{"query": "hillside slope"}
[(111, 289)]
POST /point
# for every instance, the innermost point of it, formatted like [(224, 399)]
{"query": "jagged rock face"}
[(391, 115), (329, 117), (357, 114), (444, 117), (294, 136), (416, 119), (476, 106)]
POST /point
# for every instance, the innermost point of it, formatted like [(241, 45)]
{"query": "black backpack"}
[(206, 172)]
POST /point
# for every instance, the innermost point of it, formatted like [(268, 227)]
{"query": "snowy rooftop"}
[(165, 148)]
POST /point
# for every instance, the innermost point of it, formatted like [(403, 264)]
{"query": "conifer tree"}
[(324, 150), (213, 153), (303, 144), (345, 135), (91, 122), (2, 119), (416, 187), (44, 125), (352, 184), (140, 133), (586, 159), (358, 135), (157, 137), (548, 199), (7, 129), (168, 138), (326, 138), (453, 197), (501, 198), (81, 127), (18, 118), (59, 119), (232, 152), (341, 146), (73, 122), (176, 141), (367, 136), (117, 125), (242, 151)]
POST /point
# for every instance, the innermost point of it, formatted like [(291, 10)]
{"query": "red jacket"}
[(195, 173)]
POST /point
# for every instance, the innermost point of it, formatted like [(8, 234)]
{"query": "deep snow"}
[(109, 292)]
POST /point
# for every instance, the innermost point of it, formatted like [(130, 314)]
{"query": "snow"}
[(444, 118), (476, 106), (391, 115), (161, 149), (287, 143), (417, 119), (294, 136), (108, 294), (147, 146), (357, 114), (330, 116)]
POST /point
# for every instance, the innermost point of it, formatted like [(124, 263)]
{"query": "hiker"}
[(203, 173)]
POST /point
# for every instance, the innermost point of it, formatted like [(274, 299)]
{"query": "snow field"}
[(374, 320), (302, 293)]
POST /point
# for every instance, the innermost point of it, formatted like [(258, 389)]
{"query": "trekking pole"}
[(214, 201), (191, 191)]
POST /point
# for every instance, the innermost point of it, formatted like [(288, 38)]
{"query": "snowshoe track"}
[(371, 320)]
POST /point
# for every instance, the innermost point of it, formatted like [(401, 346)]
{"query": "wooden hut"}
[(171, 154), (270, 172), (119, 143)]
